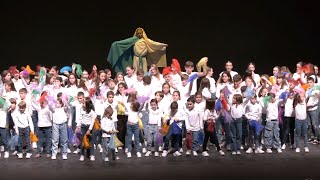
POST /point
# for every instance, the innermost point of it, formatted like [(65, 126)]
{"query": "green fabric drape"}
[(121, 54)]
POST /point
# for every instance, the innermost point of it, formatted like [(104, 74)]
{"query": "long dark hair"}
[(296, 99), (89, 105), (173, 108), (210, 104)]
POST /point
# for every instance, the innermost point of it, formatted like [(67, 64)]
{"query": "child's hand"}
[(164, 121), (88, 132), (94, 68), (115, 131)]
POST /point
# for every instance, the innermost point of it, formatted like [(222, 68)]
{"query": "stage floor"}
[(288, 165)]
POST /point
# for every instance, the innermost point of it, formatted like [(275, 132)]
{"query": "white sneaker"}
[(259, 151), (99, 146), (53, 157), (260, 147), (20, 155), (117, 158), (148, 153), (160, 148), (92, 158), (180, 150), (188, 152), (64, 157), (205, 154), (68, 151), (269, 150), (28, 156), (106, 159), (249, 151), (120, 147), (81, 158), (238, 152), (234, 153), (306, 149), (164, 153), (297, 150), (241, 147), (128, 154), (221, 153), (279, 150), (177, 153), (101, 150), (156, 154), (77, 151), (116, 150), (126, 150), (138, 154), (34, 145), (283, 147), (6, 155), (144, 150), (14, 153), (2, 148), (95, 147), (194, 153)]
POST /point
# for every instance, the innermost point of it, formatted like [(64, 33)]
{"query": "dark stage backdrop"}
[(59, 33)]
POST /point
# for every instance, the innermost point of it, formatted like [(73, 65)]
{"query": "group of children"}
[(155, 112)]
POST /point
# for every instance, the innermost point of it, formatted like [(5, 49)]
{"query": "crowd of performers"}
[(51, 111)]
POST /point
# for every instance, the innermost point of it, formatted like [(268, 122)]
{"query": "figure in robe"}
[(138, 51)]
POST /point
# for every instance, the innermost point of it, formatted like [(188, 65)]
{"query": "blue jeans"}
[(106, 145), (219, 124), (90, 151), (4, 134), (44, 139), (59, 134), (133, 130), (35, 120), (73, 114), (174, 140), (236, 134), (24, 133), (313, 123), (195, 138), (152, 129), (253, 136), (301, 127), (271, 134)]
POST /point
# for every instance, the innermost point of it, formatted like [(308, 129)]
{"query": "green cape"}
[(121, 54)]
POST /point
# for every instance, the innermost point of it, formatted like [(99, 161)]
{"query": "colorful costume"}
[(137, 52)]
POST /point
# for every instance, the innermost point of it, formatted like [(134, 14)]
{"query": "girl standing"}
[(300, 109), (85, 124), (210, 116)]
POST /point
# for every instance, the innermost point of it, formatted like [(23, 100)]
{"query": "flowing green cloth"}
[(121, 54)]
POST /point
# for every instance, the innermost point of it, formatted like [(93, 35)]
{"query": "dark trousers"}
[(24, 133), (44, 139), (210, 135), (288, 130), (174, 140), (122, 127), (90, 151)]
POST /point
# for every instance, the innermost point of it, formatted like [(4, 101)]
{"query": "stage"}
[(288, 165)]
